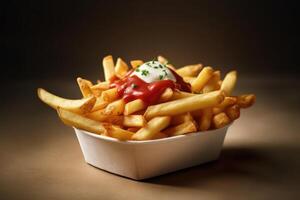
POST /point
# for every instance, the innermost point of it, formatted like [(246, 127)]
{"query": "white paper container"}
[(145, 159)]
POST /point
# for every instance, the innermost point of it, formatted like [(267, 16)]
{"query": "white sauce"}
[(153, 71)]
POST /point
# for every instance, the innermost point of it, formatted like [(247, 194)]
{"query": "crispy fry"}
[(189, 79), (99, 88), (179, 119), (189, 70), (220, 120), (115, 108), (121, 68), (85, 87), (108, 67), (100, 104), (181, 95), (202, 78), (133, 129), (100, 116), (78, 106), (229, 82), (186, 127), (166, 95), (233, 112), (134, 121), (119, 133), (136, 63), (212, 84), (109, 95), (134, 106), (246, 100), (188, 104), (228, 101), (78, 121), (154, 126), (205, 119), (159, 135), (162, 60)]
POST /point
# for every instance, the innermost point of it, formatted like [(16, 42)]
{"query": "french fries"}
[(109, 67), (154, 126), (205, 119), (134, 106), (85, 87), (103, 110), (189, 70), (203, 77), (136, 63), (121, 68), (78, 106), (185, 105), (78, 121), (229, 82), (220, 120), (186, 127)]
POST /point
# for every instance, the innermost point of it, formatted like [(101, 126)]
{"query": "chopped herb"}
[(155, 67), (154, 59), (137, 70), (134, 85), (161, 77), (161, 66), (165, 72), (145, 72), (148, 63)]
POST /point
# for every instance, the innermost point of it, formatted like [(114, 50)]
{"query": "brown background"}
[(49, 43)]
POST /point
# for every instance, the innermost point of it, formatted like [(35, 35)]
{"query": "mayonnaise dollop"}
[(153, 71)]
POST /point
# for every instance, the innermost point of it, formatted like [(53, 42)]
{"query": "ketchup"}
[(132, 87)]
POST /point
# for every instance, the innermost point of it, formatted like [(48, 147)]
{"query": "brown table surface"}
[(41, 158)]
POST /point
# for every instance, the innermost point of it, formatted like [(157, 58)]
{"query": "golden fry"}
[(205, 119), (186, 127), (220, 120), (134, 121), (202, 78), (229, 82), (212, 84), (188, 104), (119, 133), (85, 87), (179, 119), (136, 63), (154, 126), (233, 112), (78, 121), (166, 95), (228, 101), (189, 70), (246, 100), (77, 106), (180, 95), (109, 95), (121, 68), (115, 108), (108, 67), (134, 106), (162, 60)]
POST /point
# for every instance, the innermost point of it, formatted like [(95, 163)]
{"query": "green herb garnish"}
[(161, 77), (134, 85), (145, 72), (137, 70)]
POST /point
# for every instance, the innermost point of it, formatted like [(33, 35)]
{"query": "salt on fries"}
[(101, 110)]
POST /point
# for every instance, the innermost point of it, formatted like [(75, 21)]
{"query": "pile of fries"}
[(210, 105)]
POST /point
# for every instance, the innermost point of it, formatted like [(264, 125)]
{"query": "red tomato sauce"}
[(132, 87)]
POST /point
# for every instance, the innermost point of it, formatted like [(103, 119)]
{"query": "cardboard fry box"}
[(145, 159)]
